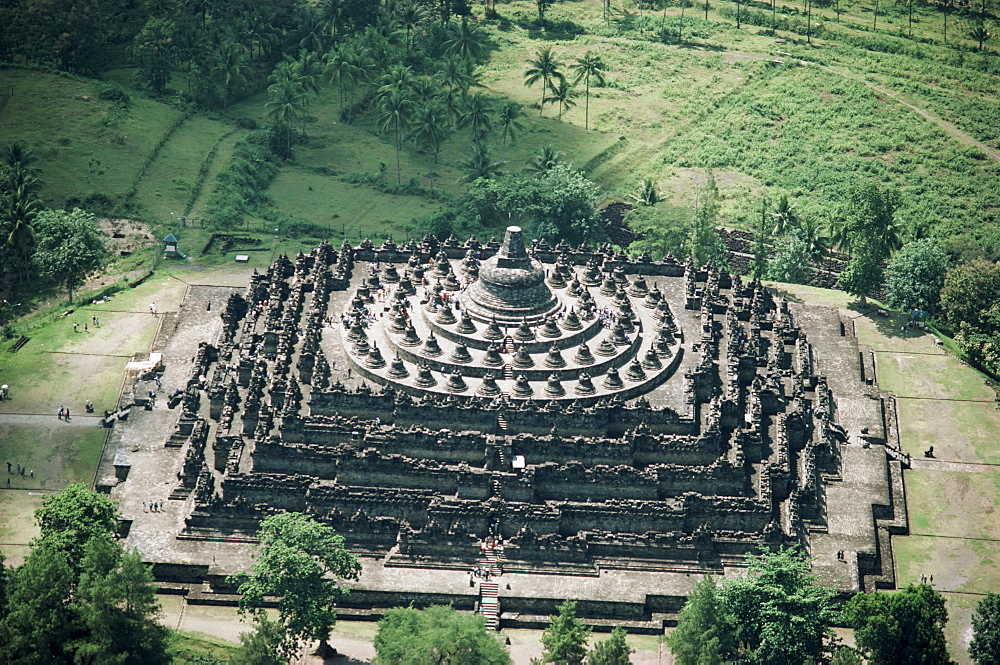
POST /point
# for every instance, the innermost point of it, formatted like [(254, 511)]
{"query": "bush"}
[(244, 122), (114, 92)]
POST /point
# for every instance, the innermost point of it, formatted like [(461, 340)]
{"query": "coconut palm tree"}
[(285, 104), (563, 94), (476, 115), (480, 165), (465, 40), (508, 117), (410, 15), (587, 67), (229, 69), (430, 128), (545, 159), (458, 74), (399, 77), (340, 69), (543, 67), (394, 111), (784, 216)]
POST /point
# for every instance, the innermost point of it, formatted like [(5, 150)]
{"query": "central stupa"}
[(511, 286)]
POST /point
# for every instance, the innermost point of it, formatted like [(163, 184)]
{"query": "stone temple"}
[(595, 427)]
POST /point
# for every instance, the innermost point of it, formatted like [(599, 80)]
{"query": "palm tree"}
[(590, 65), (458, 74), (648, 194), (979, 33), (330, 12), (476, 115), (395, 109), (410, 14), (430, 128), (424, 90), (562, 93), (480, 165), (784, 216), (545, 159), (285, 103), (465, 41), (545, 68), (339, 68), (229, 68), (399, 77), (508, 116), (839, 235)]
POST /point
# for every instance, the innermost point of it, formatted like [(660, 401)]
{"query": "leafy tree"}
[(846, 656), (260, 646), (780, 613), (69, 246), (154, 51), (544, 68), (873, 234), (900, 628), (508, 118), (761, 236), (38, 624), (115, 606), (969, 290), (985, 646), (915, 276), (590, 66), (565, 638), (302, 562), (563, 94), (430, 128), (704, 244), (438, 634), (612, 651), (784, 216), (458, 74), (704, 631), (790, 259), (480, 165), (72, 518), (663, 229)]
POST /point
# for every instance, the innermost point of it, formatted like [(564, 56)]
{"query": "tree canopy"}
[(900, 628), (558, 203), (612, 651), (439, 634), (302, 562), (78, 596), (872, 233), (565, 638), (704, 632), (69, 245), (915, 276), (72, 518), (985, 645)]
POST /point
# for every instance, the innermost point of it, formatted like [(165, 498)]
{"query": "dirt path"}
[(943, 124), (85, 420)]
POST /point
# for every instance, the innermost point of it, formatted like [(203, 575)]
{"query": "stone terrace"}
[(595, 428)]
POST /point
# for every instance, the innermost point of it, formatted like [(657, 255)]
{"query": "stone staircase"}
[(489, 604), (502, 423)]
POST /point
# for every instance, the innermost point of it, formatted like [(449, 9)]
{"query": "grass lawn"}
[(930, 376), (174, 177), (959, 431), (84, 145)]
